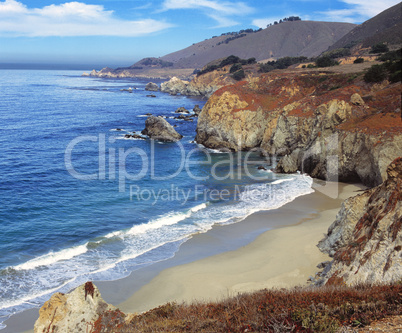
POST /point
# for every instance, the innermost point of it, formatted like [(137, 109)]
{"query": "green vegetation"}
[(325, 61), (235, 68), (236, 34), (337, 53), (379, 48), (231, 60), (376, 73), (286, 19), (390, 69), (358, 61), (281, 63), (155, 62), (314, 309), (239, 75)]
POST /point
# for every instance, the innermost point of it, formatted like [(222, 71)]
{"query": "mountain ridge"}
[(294, 38), (384, 27)]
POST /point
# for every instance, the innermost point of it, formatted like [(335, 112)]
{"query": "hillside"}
[(293, 38), (385, 27), (297, 38)]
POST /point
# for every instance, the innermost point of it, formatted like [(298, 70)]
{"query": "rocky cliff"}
[(366, 239), (82, 310), (332, 126), (203, 85)]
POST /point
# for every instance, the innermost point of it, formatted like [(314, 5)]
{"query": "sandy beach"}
[(268, 249), (281, 257)]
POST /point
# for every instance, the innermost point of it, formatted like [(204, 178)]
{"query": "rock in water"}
[(366, 239), (151, 87), (74, 312), (197, 110), (159, 129), (175, 86), (182, 110)]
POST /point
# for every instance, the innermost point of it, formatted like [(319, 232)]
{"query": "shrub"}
[(358, 61), (391, 56), (281, 63), (239, 75), (325, 61), (379, 48), (376, 73), (229, 60), (337, 53), (235, 68)]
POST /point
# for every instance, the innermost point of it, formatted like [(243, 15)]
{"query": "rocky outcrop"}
[(197, 110), (366, 239), (318, 124), (175, 86), (79, 311), (151, 86), (182, 110), (159, 129), (203, 85)]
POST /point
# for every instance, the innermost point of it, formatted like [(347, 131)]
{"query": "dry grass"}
[(314, 309)]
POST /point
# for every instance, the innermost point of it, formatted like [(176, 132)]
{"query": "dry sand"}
[(282, 257)]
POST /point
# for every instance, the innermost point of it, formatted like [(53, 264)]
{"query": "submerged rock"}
[(134, 136), (159, 129)]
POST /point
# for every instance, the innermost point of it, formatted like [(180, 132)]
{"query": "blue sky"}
[(121, 32)]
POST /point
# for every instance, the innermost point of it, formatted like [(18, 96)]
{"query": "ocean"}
[(80, 201)]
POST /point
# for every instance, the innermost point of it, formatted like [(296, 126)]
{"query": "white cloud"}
[(69, 19), (358, 10), (221, 11)]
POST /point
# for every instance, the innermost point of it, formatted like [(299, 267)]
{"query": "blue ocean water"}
[(80, 202)]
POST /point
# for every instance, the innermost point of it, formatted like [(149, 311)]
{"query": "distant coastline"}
[(38, 66)]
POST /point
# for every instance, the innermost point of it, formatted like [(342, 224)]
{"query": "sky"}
[(120, 32)]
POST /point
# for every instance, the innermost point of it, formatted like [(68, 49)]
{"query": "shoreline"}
[(283, 256), (237, 249)]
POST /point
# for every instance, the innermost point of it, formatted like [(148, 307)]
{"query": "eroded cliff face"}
[(318, 123), (203, 85), (82, 310), (366, 239)]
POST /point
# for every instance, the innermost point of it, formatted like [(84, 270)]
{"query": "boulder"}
[(182, 110), (152, 95), (151, 87), (159, 129), (356, 99), (74, 312)]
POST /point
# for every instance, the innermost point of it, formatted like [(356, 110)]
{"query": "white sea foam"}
[(279, 181), (165, 220), (53, 257)]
